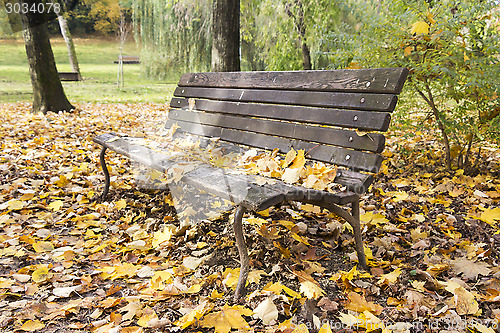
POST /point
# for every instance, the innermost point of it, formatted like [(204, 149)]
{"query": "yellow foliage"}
[(420, 27)]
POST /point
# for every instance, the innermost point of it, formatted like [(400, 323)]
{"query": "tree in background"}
[(295, 10), (48, 93), (291, 33), (73, 60), (176, 36), (226, 36)]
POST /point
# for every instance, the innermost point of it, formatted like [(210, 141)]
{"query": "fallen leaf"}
[(32, 325), (230, 317), (469, 268), (266, 311), (311, 290)]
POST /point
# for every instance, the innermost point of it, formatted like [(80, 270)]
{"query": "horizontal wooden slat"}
[(379, 80), (354, 101), (343, 138), (352, 159), (363, 120)]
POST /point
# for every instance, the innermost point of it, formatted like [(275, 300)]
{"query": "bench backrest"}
[(321, 112)]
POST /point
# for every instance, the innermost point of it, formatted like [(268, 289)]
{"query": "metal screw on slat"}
[(350, 139), (178, 102), (362, 100), (183, 91), (355, 118), (347, 157), (368, 83)]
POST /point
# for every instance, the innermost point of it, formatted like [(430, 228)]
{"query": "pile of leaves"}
[(72, 263)]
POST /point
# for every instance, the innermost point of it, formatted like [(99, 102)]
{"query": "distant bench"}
[(317, 111), (129, 60), (69, 76)]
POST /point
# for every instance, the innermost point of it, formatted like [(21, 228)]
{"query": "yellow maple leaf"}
[(358, 303), (300, 239), (290, 156), (163, 236), (230, 317), (391, 277), (277, 287), (419, 27), (374, 219), (491, 216), (148, 317), (311, 290), (464, 301), (32, 325), (299, 161), (43, 246), (400, 196), (215, 294)]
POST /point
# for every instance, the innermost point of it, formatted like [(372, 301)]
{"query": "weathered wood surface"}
[(363, 120), (380, 80), (129, 60), (373, 142), (69, 76), (353, 159), (237, 188), (354, 101), (354, 181)]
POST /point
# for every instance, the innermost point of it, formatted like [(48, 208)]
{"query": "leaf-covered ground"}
[(70, 263)]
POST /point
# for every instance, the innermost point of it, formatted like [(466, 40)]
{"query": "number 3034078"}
[(36, 8)]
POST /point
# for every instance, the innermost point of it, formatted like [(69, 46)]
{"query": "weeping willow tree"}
[(175, 35)]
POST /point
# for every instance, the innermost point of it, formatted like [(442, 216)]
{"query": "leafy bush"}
[(452, 50)]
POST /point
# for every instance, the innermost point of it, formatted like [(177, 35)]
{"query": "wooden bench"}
[(129, 60), (69, 76), (318, 111)]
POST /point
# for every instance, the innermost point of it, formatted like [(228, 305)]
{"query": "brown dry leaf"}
[(469, 268), (358, 303), (194, 315)]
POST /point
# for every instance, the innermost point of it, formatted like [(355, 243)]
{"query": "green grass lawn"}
[(95, 56)]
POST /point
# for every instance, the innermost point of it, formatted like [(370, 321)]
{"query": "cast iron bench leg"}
[(353, 220), (357, 234), (106, 173), (242, 249)]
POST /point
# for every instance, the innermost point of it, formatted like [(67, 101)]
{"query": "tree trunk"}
[(73, 61), (226, 36), (48, 93)]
